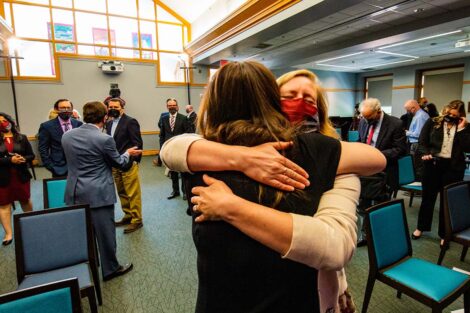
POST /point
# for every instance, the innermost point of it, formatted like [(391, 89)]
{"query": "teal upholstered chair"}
[(338, 131), (57, 244), (391, 262), (456, 198), (53, 192), (406, 177), (353, 136), (56, 297)]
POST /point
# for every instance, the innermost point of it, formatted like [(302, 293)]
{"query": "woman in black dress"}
[(443, 142), (15, 154), (236, 272)]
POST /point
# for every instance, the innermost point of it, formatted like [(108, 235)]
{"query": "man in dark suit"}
[(385, 133), (126, 133), (192, 118), (172, 125), (157, 161), (50, 135), (91, 154)]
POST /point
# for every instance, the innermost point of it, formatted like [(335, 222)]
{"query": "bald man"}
[(192, 118), (419, 118)]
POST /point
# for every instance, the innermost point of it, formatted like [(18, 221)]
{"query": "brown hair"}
[(453, 105), (242, 106), (326, 127), (94, 112)]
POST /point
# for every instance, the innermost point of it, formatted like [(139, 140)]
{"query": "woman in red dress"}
[(15, 154)]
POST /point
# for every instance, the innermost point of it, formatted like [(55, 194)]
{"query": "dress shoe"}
[(362, 243), (123, 221), (123, 269), (7, 242), (416, 237), (184, 197), (173, 195), (188, 211), (133, 227)]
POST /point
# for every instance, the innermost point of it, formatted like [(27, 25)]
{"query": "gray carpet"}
[(164, 278)]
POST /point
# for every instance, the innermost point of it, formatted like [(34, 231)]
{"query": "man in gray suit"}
[(90, 154)]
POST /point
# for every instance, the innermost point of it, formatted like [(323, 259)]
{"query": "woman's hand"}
[(426, 157), (212, 201), (17, 159), (266, 165)]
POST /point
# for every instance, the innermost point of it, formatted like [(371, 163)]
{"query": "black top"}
[(238, 274), (431, 138), (21, 146)]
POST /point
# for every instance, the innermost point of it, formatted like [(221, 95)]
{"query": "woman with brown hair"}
[(443, 142), (239, 266), (15, 154)]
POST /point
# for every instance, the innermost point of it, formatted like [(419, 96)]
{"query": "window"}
[(380, 87), (111, 29), (440, 86)]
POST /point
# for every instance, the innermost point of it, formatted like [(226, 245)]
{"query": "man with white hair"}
[(385, 133), (419, 118)]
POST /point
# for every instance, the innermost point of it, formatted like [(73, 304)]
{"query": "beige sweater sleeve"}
[(174, 153), (328, 239)]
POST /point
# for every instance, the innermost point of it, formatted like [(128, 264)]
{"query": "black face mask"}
[(371, 121), (451, 119), (65, 115), (172, 111), (113, 113)]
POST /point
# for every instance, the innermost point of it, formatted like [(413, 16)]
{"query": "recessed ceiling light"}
[(340, 57), (399, 54), (339, 66), (421, 39), (378, 65), (384, 11)]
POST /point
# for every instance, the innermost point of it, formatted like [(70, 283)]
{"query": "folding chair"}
[(391, 262), (456, 199), (57, 297), (57, 244)]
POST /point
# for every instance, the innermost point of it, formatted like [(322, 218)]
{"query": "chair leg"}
[(464, 253), (466, 302), (443, 252), (92, 300), (34, 172), (398, 294), (412, 194), (368, 293)]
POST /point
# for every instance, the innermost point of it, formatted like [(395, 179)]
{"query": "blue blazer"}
[(90, 156), (50, 147)]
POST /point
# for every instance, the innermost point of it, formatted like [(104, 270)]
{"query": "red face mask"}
[(5, 127), (297, 110)]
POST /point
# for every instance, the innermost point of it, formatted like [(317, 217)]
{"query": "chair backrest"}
[(53, 192), (457, 205), (51, 239), (387, 233), (56, 297), (406, 172), (338, 131), (353, 136)]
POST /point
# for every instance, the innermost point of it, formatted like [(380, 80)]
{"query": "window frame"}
[(57, 54)]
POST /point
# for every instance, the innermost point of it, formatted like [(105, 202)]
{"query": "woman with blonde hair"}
[(443, 142), (239, 266)]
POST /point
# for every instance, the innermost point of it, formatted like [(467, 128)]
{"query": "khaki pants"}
[(130, 195)]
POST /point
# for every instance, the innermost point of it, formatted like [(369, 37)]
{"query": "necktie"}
[(66, 127), (371, 134), (172, 122)]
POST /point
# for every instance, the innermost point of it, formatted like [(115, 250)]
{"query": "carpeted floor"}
[(164, 278)]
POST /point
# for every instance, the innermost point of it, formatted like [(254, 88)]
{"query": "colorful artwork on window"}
[(100, 36), (146, 41), (62, 32)]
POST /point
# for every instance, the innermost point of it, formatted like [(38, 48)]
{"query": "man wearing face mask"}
[(385, 133), (91, 154), (50, 136), (172, 125), (126, 133)]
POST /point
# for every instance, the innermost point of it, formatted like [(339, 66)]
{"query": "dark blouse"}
[(21, 146), (237, 273)]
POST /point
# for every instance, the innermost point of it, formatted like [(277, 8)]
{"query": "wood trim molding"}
[(150, 152), (466, 82), (404, 87), (249, 14), (341, 90), (148, 132)]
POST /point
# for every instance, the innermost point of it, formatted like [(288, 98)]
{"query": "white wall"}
[(82, 81)]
